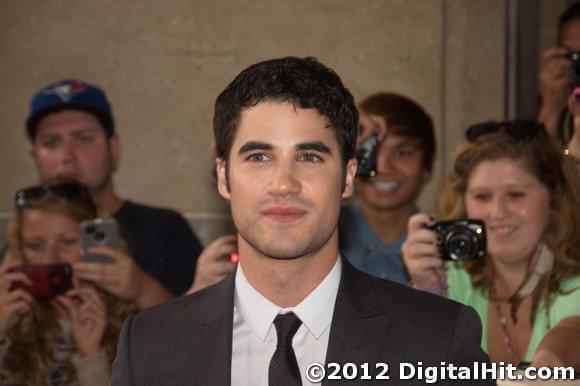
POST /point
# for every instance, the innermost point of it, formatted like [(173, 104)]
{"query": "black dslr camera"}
[(366, 155), (574, 57), (461, 239)]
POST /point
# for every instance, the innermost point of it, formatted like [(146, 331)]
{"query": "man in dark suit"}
[(285, 132)]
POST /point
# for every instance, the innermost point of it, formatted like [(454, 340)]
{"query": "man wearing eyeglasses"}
[(73, 136)]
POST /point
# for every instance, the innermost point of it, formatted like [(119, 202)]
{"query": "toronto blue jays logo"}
[(66, 91)]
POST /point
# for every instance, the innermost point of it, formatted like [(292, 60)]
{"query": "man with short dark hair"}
[(373, 225), (285, 132), (73, 136)]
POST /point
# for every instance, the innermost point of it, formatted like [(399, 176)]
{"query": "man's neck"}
[(287, 282), (388, 225), (106, 199)]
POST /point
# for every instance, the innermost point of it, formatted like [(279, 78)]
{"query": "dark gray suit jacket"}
[(188, 341)]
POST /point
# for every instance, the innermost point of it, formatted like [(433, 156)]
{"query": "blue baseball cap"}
[(70, 94)]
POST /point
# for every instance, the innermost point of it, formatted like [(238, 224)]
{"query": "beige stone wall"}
[(163, 63)]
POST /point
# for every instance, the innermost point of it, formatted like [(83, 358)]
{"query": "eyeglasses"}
[(70, 191), (520, 130)]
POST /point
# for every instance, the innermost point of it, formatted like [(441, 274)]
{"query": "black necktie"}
[(283, 365)]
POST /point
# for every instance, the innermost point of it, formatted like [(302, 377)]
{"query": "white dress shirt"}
[(254, 333)]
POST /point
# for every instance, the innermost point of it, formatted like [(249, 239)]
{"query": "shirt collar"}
[(315, 311)]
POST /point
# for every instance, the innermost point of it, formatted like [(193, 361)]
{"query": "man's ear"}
[(350, 173), (222, 178), (115, 150)]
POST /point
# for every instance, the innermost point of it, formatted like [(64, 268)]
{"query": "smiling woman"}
[(66, 339), (527, 290)]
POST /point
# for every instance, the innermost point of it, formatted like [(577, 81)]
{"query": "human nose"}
[(284, 180), (68, 154), (385, 161), (53, 254), (499, 208)]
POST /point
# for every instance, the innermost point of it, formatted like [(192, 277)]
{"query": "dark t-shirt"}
[(161, 242)]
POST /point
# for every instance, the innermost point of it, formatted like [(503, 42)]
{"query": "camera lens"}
[(461, 245), (99, 236), (90, 229)]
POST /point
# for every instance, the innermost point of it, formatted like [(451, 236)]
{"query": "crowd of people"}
[(314, 241)]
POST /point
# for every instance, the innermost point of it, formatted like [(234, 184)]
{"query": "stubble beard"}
[(281, 246)]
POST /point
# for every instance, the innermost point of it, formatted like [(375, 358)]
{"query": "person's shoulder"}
[(133, 208), (135, 213), (568, 295), (431, 317), (570, 284), (178, 313), (406, 300)]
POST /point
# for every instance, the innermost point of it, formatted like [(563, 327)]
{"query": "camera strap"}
[(541, 265)]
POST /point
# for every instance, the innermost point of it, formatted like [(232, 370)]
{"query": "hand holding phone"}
[(98, 232), (13, 303), (46, 280)]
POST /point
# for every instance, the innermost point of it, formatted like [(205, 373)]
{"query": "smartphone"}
[(98, 231), (48, 280)]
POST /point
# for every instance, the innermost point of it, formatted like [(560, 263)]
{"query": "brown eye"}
[(516, 195), (310, 157), (257, 157)]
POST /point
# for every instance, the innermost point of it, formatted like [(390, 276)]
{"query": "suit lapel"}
[(212, 337), (359, 324)]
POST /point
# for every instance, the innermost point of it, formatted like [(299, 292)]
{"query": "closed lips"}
[(283, 211)]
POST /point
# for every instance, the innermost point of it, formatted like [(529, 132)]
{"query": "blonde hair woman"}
[(71, 339)]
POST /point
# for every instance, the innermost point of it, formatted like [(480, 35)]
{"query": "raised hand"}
[(13, 303), (421, 254), (555, 84), (88, 316), (122, 278), (214, 262)]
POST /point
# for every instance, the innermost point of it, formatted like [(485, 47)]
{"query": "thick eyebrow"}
[(254, 145), (316, 146)]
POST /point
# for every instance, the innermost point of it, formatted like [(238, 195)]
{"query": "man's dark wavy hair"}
[(304, 82)]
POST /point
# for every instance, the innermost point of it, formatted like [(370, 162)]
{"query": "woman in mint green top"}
[(461, 289), (527, 287)]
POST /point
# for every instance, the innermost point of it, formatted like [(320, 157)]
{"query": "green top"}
[(563, 305)]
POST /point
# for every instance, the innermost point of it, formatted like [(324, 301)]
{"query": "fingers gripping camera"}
[(461, 239), (575, 66)]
